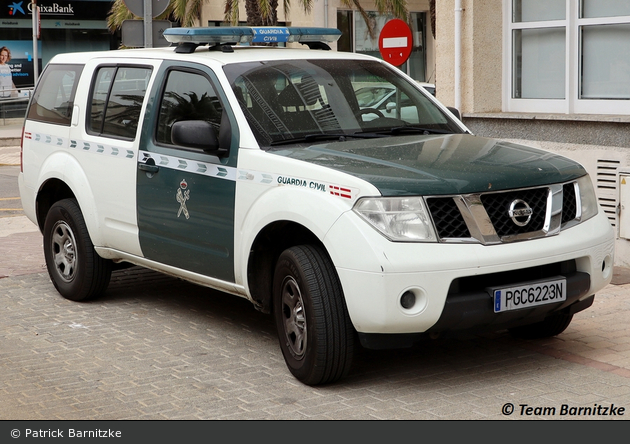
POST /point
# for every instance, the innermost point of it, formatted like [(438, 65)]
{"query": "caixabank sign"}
[(78, 9)]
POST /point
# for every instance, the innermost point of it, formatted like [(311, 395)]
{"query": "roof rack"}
[(222, 37)]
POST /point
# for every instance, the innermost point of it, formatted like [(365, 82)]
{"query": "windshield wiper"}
[(340, 137), (412, 130)]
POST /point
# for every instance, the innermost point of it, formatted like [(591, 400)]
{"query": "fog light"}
[(607, 266), (408, 300)]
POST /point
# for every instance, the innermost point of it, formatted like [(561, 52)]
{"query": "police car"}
[(254, 170)]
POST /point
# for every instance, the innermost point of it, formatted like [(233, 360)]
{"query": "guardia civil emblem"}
[(183, 194)]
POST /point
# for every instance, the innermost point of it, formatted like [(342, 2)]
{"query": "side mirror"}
[(455, 112), (197, 134), (391, 106)]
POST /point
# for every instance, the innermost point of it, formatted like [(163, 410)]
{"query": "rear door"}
[(185, 197)]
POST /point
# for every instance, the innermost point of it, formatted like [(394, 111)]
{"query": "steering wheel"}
[(359, 114)]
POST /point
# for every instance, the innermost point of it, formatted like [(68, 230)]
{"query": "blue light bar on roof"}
[(246, 34)]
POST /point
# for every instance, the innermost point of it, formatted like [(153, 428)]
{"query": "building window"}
[(567, 56), (605, 69), (344, 24), (539, 63)]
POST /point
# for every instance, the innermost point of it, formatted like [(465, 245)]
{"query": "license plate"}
[(529, 295)]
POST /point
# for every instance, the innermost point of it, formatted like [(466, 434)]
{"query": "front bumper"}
[(472, 308), (449, 281)]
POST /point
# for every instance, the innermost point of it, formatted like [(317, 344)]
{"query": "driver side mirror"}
[(390, 107), (197, 134), (455, 112)]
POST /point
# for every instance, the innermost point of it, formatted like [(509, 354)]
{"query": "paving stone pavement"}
[(154, 347)]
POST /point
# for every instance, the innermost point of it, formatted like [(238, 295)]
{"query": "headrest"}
[(290, 97), (238, 92), (304, 93)]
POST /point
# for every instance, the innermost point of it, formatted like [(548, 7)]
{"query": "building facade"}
[(356, 36), (64, 26)]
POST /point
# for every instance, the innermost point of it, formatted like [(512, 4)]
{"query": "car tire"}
[(76, 270), (552, 325), (315, 332)]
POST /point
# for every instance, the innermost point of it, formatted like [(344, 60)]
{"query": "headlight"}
[(398, 218), (588, 200)]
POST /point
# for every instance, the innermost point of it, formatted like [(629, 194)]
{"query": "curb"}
[(10, 141), (10, 155)]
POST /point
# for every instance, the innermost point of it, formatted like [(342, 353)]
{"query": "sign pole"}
[(148, 24), (35, 14)]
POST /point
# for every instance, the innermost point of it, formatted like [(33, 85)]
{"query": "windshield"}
[(301, 101)]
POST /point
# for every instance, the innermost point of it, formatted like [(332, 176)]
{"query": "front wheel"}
[(314, 329), (76, 270)]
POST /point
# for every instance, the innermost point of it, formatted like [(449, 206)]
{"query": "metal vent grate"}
[(607, 187)]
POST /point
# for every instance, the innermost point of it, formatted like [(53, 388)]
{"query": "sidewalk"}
[(10, 135)]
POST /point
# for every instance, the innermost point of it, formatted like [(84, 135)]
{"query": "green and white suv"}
[(256, 171)]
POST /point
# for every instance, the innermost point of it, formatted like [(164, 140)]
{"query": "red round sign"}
[(395, 42)]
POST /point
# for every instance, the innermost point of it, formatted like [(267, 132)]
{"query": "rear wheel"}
[(552, 325), (314, 329), (76, 270)]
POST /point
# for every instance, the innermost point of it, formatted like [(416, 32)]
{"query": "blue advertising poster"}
[(21, 61)]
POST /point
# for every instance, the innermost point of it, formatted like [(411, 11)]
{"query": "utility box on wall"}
[(624, 205)]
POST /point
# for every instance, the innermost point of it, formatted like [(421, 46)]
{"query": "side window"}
[(399, 107), (53, 99), (370, 96), (99, 99), (116, 100), (187, 96)]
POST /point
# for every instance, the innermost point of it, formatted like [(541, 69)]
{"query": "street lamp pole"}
[(35, 15), (148, 24)]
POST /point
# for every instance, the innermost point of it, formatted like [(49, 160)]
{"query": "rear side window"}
[(53, 99), (116, 100)]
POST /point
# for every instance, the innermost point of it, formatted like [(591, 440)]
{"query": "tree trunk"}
[(254, 16), (272, 20)]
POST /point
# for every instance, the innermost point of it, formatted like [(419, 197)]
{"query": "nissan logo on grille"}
[(520, 212)]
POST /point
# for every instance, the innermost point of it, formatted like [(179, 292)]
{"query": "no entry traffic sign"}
[(395, 42)]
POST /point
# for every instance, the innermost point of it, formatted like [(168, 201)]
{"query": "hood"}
[(440, 165)]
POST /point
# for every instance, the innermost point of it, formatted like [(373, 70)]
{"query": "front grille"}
[(451, 225), (447, 218), (569, 203), (497, 206)]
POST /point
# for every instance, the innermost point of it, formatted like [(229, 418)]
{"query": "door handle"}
[(149, 168)]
